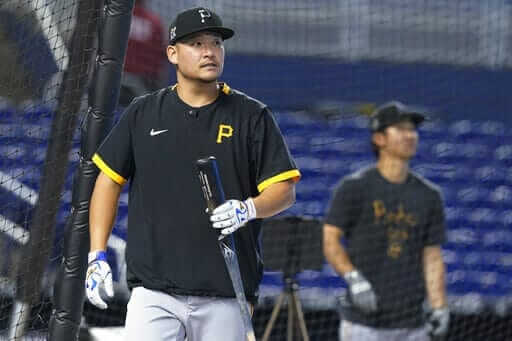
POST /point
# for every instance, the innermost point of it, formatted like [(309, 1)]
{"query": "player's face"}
[(399, 140), (199, 57)]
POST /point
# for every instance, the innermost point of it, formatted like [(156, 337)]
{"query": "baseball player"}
[(392, 221), (181, 288)]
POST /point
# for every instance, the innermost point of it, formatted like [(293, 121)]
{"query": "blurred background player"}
[(393, 223), (145, 67), (180, 285)]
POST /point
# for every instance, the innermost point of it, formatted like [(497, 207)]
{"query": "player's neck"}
[(393, 170), (197, 94)]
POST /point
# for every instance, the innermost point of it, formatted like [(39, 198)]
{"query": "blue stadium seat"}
[(272, 278), (487, 133), (491, 128), (461, 239), (9, 131), (293, 124), (503, 154), (35, 132), (472, 194), (297, 143), (489, 282), (474, 259), (462, 127), (501, 196), (458, 283), (505, 218), (490, 174), (481, 215), (31, 176), (442, 174), (357, 163), (347, 131), (39, 153), (355, 122), (496, 261), (14, 151), (332, 146), (433, 128), (32, 111), (6, 112), (338, 167), (497, 240), (313, 279), (471, 153), (456, 215)]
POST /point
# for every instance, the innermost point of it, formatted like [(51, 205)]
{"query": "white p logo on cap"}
[(204, 14), (173, 33)]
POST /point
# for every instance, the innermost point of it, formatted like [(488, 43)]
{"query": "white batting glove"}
[(438, 322), (232, 215), (98, 276)]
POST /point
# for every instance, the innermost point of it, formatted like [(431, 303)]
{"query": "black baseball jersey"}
[(386, 227), (171, 245)]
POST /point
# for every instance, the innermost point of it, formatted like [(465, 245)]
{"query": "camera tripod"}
[(292, 245), (294, 312)]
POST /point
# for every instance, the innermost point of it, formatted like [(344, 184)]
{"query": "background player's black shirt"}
[(386, 227), (171, 245)]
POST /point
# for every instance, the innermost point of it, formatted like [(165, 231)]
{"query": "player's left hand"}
[(438, 321), (232, 215)]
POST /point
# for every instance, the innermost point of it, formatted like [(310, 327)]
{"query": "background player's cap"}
[(196, 20), (394, 112)]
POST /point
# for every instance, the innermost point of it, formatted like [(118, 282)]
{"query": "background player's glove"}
[(232, 215), (361, 292), (438, 321), (99, 277)]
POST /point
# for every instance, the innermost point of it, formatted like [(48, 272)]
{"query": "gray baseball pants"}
[(157, 316), (356, 332)]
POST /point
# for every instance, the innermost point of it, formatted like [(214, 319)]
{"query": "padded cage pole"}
[(54, 172), (69, 290)]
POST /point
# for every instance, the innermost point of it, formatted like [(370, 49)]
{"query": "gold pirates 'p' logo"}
[(224, 131)]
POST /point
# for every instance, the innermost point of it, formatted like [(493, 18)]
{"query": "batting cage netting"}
[(68, 68)]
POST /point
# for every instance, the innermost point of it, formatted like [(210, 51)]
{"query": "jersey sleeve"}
[(341, 211), (271, 157), (114, 157), (435, 234)]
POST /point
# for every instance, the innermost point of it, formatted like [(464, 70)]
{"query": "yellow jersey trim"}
[(107, 170), (225, 88), (291, 174)]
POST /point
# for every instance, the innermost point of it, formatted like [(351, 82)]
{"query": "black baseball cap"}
[(394, 112), (196, 20)]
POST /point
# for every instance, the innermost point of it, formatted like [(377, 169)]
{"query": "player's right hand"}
[(99, 277), (438, 321), (361, 292)]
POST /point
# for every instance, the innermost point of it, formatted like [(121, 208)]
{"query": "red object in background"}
[(146, 48)]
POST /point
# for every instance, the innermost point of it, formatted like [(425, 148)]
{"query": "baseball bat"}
[(213, 192)]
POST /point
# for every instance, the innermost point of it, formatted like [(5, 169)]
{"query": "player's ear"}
[(379, 138), (172, 54)]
